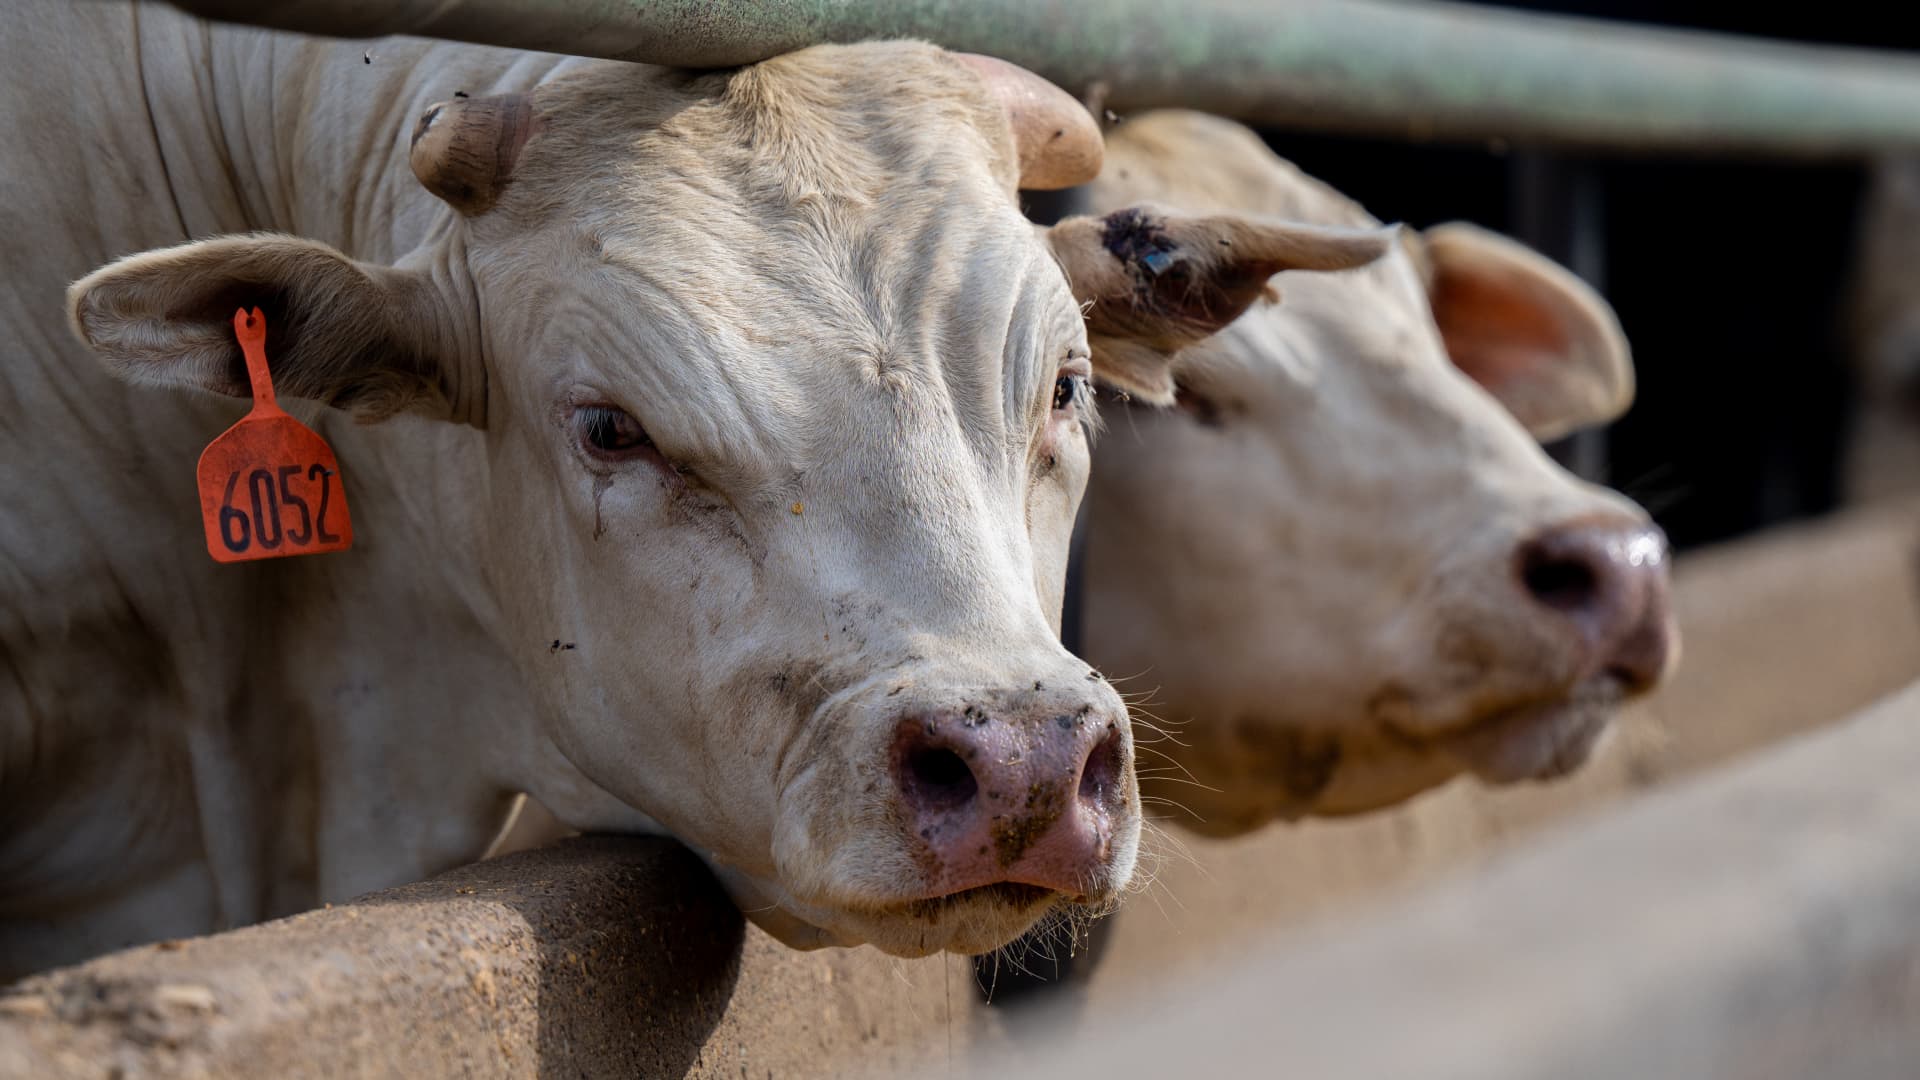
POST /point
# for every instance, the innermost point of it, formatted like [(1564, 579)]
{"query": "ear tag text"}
[(270, 486)]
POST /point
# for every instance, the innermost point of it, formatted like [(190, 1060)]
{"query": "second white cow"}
[(1343, 571)]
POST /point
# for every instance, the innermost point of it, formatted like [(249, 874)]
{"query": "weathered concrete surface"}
[(1759, 921), (1785, 632), (616, 953), (598, 957)]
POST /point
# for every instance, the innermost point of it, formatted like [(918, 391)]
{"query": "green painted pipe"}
[(1405, 68)]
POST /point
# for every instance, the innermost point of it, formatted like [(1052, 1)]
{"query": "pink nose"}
[(1609, 579), (1027, 796)]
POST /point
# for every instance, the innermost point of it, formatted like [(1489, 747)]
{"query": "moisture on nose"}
[(1610, 581)]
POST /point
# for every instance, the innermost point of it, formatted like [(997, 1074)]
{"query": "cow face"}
[(783, 422), (1343, 568)]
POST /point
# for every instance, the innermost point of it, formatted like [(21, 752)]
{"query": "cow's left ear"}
[(1525, 328), (1155, 281), (354, 335)]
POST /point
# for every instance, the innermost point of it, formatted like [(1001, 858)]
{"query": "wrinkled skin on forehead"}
[(1307, 569)]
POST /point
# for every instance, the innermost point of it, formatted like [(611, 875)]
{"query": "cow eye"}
[(1066, 391), (608, 431), (1070, 387)]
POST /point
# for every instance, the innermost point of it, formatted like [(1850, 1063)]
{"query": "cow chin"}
[(892, 908), (1541, 741), (1264, 767), (1273, 769), (970, 922)]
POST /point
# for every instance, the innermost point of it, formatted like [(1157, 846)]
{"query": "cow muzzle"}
[(1039, 794), (1607, 581)]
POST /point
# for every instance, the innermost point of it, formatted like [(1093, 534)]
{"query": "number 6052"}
[(268, 494)]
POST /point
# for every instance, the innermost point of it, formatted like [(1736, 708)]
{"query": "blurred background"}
[(1774, 311), (1735, 278)]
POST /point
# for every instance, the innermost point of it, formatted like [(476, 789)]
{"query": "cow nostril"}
[(1631, 680), (1100, 777), (1561, 582), (1609, 581), (940, 778)]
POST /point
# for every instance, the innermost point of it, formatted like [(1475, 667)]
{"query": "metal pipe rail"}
[(1405, 68)]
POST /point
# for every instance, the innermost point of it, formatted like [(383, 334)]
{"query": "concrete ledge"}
[(593, 957), (598, 955), (1760, 921)]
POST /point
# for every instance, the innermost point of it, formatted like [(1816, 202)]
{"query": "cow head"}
[(778, 418), (1343, 568)]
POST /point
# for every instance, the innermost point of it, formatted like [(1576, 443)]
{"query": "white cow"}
[(712, 443), (1342, 571)]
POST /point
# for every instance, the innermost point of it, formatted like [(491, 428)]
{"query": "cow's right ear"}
[(355, 336), (1155, 281)]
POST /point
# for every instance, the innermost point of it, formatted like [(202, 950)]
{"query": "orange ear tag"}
[(270, 486)]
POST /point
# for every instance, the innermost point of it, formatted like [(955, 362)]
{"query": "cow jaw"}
[(970, 923), (1540, 742), (1279, 766)]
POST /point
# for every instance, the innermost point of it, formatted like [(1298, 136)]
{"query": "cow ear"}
[(1155, 281), (353, 335), (1525, 328)]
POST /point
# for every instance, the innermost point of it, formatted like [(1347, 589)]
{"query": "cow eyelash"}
[(1068, 390), (1072, 386), (610, 432)]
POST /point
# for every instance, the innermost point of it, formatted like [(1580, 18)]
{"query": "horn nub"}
[(464, 150)]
